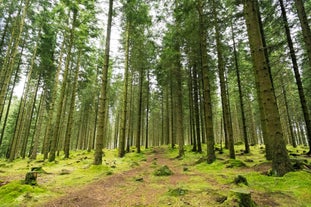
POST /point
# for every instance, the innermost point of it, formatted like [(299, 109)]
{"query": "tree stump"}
[(31, 178), (241, 197)]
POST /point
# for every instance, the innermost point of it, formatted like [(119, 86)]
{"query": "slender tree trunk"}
[(280, 160), (55, 137), (209, 130), (237, 70), (147, 111), (191, 109), (179, 103), (197, 108), (33, 105), (38, 128), (306, 31), (102, 101), (140, 108), (125, 91), (301, 93), (223, 87), (71, 109), (10, 57)]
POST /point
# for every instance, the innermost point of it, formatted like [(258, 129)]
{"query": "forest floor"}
[(187, 186), (192, 183)]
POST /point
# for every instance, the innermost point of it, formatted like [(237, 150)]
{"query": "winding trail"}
[(136, 187)]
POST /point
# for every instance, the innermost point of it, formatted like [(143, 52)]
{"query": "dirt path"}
[(136, 187)]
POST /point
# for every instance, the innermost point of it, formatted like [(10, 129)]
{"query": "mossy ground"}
[(52, 183), (192, 183)]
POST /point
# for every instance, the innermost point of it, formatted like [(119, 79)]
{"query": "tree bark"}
[(208, 118), (103, 96), (223, 88), (280, 160)]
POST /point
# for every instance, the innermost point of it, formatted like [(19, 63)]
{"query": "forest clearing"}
[(131, 181)]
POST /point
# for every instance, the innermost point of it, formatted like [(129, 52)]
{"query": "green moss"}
[(163, 171), (15, 193), (177, 192)]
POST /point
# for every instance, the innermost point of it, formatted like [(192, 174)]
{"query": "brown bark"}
[(280, 160)]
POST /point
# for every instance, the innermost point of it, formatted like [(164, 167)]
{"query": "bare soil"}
[(139, 187)]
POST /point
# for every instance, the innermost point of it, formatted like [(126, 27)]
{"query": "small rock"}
[(64, 172), (139, 179)]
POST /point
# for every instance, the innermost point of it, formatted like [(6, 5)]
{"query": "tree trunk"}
[(125, 91), (297, 75), (140, 108), (306, 31), (9, 61), (237, 70), (71, 109), (280, 160), (209, 131), (103, 96), (223, 88), (56, 132)]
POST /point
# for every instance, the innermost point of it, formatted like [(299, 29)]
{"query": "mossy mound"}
[(240, 179), (240, 197), (163, 171), (177, 192), (234, 163)]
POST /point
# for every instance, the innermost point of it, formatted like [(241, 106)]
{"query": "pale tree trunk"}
[(208, 118), (103, 95), (280, 159)]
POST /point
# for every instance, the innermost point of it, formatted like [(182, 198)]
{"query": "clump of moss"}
[(177, 192), (163, 171), (240, 179), (16, 192)]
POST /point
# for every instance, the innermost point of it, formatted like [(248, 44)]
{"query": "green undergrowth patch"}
[(16, 193), (292, 185), (57, 177)]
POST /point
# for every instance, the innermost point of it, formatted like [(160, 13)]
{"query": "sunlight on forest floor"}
[(203, 180)]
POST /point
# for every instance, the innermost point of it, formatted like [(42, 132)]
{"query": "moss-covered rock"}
[(163, 171)]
